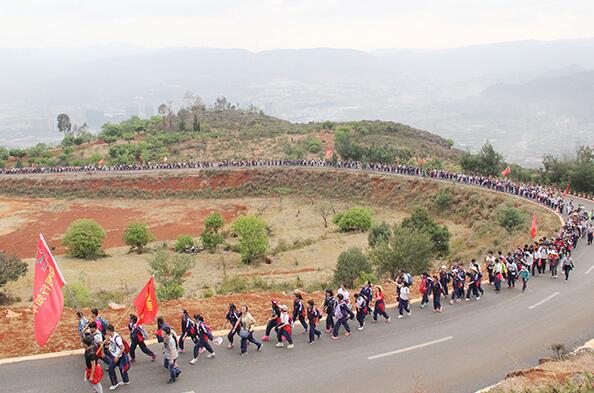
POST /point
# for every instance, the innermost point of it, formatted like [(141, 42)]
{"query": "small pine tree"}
[(196, 124)]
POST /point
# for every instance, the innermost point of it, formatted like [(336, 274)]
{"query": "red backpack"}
[(423, 286)]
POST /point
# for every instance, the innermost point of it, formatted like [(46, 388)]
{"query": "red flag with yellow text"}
[(146, 303), (48, 301), (533, 227), (506, 171)]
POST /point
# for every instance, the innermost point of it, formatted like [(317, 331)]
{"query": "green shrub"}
[(351, 263), (354, 219), (510, 218), (364, 277), (137, 235), (184, 242), (407, 250), (83, 239), (81, 294), (214, 222), (444, 199), (420, 221), (379, 233), (11, 268), (253, 238), (235, 284), (169, 271), (210, 240)]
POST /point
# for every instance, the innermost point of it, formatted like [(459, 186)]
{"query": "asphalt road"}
[(469, 346)]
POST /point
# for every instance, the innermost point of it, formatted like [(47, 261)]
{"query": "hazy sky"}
[(267, 24)]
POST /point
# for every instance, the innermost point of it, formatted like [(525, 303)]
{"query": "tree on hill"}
[(351, 263), (421, 222), (406, 250), (195, 124), (354, 219), (11, 268), (137, 236), (83, 239), (64, 124), (210, 237), (253, 239), (487, 162), (169, 272)]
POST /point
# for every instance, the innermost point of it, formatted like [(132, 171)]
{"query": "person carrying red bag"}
[(93, 371)]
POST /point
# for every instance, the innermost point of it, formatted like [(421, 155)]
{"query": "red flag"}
[(146, 303), (566, 189), (329, 153), (506, 171), (48, 301), (533, 227)]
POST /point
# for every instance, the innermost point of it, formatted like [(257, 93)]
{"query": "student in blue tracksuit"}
[(188, 329), (299, 310), (444, 279), (380, 304), (360, 305), (274, 320), (342, 313), (204, 335), (284, 329), (437, 291), (367, 293), (329, 306), (232, 317), (137, 337), (313, 316)]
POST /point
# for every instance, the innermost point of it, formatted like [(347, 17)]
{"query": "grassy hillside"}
[(226, 132)]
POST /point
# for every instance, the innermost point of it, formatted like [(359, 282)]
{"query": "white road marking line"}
[(589, 270), (383, 355), (546, 299)]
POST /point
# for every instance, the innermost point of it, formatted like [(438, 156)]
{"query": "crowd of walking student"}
[(545, 195), (459, 282)]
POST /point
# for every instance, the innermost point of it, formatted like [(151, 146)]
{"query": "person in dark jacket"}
[(188, 329), (437, 291), (273, 321), (329, 305), (232, 317), (137, 337), (299, 310), (342, 313), (313, 316)]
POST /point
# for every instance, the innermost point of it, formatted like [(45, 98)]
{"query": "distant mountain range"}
[(523, 96)]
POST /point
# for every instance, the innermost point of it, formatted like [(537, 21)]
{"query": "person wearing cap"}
[(284, 328), (380, 304), (473, 283), (299, 310), (273, 321), (313, 316)]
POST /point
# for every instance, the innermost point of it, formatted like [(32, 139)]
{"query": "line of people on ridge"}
[(103, 343)]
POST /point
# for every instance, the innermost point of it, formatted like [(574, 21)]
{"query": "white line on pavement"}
[(589, 270), (383, 355), (546, 299)]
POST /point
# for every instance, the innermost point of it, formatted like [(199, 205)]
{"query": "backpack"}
[(125, 344), (145, 335), (423, 286), (408, 278), (101, 324)]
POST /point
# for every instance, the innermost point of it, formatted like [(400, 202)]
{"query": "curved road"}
[(469, 346)]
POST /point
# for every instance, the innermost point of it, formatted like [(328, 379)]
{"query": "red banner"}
[(329, 153), (146, 303), (48, 302), (506, 172), (533, 227)]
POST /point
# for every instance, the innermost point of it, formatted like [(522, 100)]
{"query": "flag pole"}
[(123, 316)]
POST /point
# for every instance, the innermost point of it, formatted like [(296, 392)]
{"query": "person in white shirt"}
[(118, 358), (403, 302), (170, 354)]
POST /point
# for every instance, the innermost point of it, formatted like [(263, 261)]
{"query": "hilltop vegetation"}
[(226, 131)]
